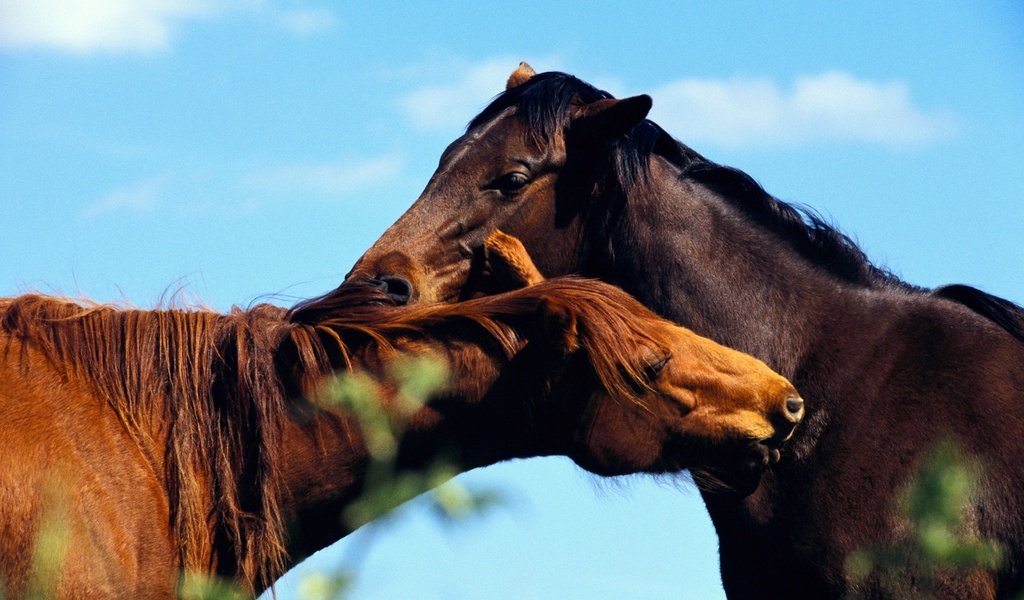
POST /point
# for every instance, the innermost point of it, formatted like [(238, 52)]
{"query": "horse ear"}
[(559, 323), (520, 76), (611, 118), (509, 263)]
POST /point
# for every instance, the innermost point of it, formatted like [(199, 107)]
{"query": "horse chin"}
[(738, 473), (733, 483)]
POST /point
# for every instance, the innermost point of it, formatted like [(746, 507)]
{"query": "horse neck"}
[(497, 409), (323, 471), (485, 416), (692, 257)]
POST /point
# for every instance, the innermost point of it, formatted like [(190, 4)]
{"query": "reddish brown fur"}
[(180, 441)]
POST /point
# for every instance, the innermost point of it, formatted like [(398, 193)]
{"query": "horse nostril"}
[(794, 408), (399, 289)]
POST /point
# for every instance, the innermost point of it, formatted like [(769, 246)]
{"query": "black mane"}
[(805, 230), (545, 102), (1002, 312)]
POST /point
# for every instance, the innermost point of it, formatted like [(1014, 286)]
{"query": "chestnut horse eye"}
[(510, 183), (654, 369)]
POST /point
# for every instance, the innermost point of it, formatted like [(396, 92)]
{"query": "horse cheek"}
[(620, 439)]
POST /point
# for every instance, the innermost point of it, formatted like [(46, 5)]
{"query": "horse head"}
[(668, 398), (520, 168)]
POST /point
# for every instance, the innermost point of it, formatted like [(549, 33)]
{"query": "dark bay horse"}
[(187, 440), (888, 369)]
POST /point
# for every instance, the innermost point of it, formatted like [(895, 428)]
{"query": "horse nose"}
[(794, 409), (785, 422), (399, 289)]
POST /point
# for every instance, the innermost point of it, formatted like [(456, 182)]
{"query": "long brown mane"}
[(216, 388), (209, 383)]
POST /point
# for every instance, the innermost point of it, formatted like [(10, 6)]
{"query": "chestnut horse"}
[(189, 441), (592, 187)]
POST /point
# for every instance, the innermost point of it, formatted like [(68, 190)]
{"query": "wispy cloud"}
[(741, 111), (141, 197), (829, 107), (328, 178), (306, 21), (84, 26), (87, 26), (467, 89), (288, 181)]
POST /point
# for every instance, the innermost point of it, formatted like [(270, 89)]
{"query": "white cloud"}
[(832, 106), (468, 89), (749, 112), (306, 22), (141, 197), (89, 25), (85, 26), (331, 178)]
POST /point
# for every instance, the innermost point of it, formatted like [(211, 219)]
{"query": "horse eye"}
[(510, 183)]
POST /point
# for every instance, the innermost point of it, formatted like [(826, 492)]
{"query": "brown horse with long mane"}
[(592, 187), (178, 441)]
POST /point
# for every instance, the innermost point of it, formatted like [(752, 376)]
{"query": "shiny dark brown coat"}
[(888, 369)]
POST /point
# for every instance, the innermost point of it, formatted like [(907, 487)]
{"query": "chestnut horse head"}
[(688, 400)]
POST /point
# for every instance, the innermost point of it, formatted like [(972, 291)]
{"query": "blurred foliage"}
[(197, 586), (382, 408), (52, 541), (407, 385), (939, 542)]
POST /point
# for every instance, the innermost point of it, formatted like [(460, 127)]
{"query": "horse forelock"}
[(544, 102), (616, 333), (612, 328)]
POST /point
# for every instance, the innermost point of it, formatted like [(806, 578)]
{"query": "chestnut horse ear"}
[(610, 119), (559, 324), (520, 76)]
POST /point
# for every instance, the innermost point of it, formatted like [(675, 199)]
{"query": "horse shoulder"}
[(934, 371), (65, 459)]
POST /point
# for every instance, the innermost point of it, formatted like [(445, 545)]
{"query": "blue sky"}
[(243, 150)]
